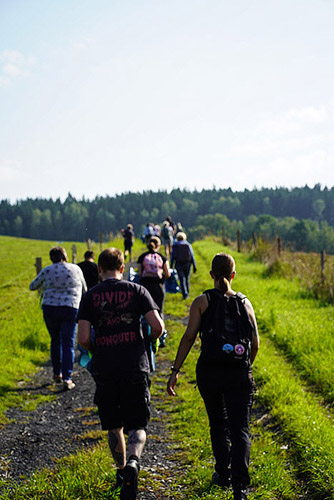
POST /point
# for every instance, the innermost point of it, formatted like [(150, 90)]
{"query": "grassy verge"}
[(293, 441)]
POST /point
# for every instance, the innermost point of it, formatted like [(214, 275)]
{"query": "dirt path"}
[(31, 441)]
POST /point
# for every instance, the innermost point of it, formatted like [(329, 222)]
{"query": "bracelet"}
[(176, 370)]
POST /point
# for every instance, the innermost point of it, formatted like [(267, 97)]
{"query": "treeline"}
[(302, 217), (302, 235)]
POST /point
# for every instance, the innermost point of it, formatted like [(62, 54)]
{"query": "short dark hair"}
[(111, 259), (58, 254), (89, 255)]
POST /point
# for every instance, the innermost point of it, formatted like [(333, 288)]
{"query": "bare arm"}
[(84, 334), (197, 308), (166, 270), (255, 335), (155, 322)]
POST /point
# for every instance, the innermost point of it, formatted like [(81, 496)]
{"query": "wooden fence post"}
[(322, 262), (111, 236), (89, 243), (254, 239), (38, 264), (100, 240), (74, 254), (238, 240), (223, 235), (279, 246)]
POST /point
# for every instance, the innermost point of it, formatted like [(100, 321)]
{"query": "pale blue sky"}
[(105, 96)]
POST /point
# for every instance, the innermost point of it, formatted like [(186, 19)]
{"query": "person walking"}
[(120, 365), (89, 269), (128, 236), (63, 285), (167, 235), (230, 343), (153, 269), (183, 257)]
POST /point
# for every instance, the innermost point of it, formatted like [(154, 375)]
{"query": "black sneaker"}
[(119, 478), (223, 482), (239, 493), (130, 481)]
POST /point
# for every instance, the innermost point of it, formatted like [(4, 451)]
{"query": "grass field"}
[(292, 431)]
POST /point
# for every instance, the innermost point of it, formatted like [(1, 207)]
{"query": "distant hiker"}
[(91, 275), (128, 236), (178, 229), (171, 223), (183, 257), (63, 285), (120, 365), (167, 237), (148, 232), (153, 269), (230, 342), (89, 269), (157, 230)]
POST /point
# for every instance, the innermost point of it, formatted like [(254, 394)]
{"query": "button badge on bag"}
[(239, 349), (228, 348)]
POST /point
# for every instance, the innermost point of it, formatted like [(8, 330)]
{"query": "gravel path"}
[(31, 441)]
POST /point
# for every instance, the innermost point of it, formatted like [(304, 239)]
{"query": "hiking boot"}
[(57, 378), (223, 482), (239, 493), (130, 481)]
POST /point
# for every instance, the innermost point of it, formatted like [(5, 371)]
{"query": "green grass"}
[(296, 405), (292, 430), (24, 340)]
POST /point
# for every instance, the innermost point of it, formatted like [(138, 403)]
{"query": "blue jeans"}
[(61, 322), (183, 271)]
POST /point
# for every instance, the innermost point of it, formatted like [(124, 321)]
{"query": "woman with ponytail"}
[(153, 269), (224, 372)]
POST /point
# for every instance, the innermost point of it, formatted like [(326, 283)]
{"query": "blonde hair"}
[(222, 267), (181, 236)]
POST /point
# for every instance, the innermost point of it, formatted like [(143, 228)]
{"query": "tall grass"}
[(301, 328)]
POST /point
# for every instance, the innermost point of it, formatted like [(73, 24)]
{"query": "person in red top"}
[(120, 365)]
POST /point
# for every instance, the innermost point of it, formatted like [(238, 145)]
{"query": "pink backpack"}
[(152, 266)]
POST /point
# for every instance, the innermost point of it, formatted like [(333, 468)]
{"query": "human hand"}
[(172, 383)]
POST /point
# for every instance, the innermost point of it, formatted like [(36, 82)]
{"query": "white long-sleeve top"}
[(63, 284)]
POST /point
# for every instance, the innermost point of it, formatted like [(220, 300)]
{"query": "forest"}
[(302, 217)]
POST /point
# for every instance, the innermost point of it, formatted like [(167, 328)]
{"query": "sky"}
[(101, 97)]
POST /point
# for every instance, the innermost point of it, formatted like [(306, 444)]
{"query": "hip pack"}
[(226, 329)]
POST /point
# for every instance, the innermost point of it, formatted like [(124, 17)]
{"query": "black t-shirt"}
[(128, 235), (90, 272), (114, 309)]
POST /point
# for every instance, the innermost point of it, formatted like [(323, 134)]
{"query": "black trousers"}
[(156, 290), (228, 394)]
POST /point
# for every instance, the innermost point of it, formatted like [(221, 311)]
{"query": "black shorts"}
[(124, 401)]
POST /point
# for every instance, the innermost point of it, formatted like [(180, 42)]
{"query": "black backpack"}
[(182, 253), (226, 329)]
